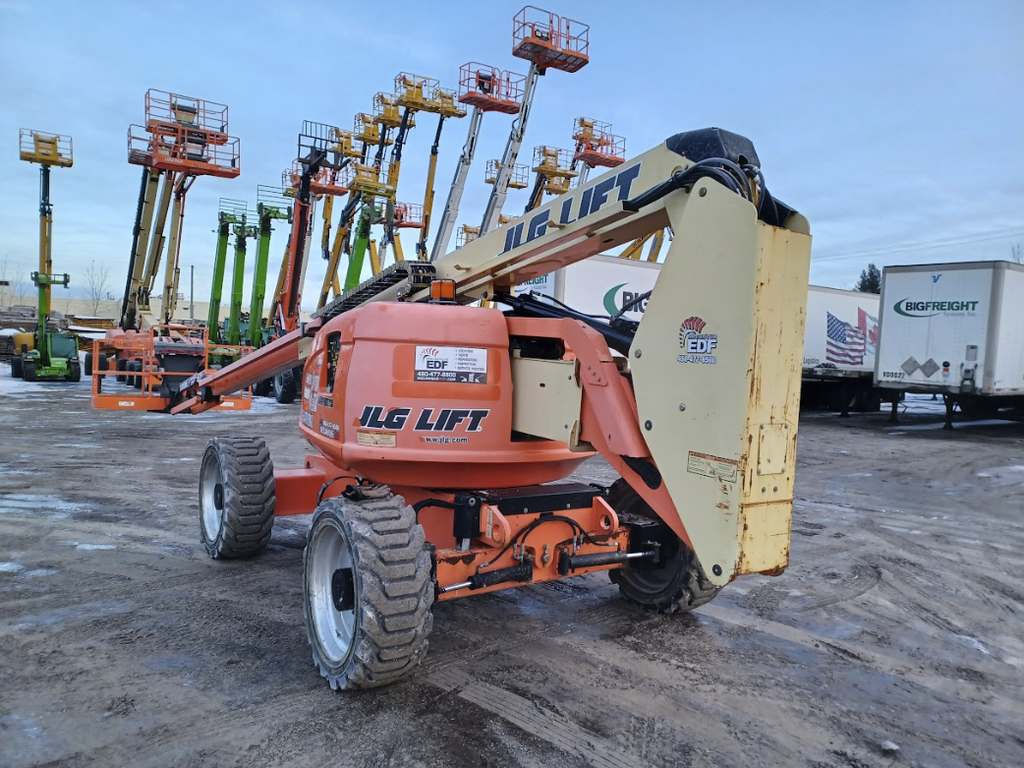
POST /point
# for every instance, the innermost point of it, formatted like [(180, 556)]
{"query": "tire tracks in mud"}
[(847, 651)]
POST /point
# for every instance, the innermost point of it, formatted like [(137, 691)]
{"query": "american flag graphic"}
[(845, 344)]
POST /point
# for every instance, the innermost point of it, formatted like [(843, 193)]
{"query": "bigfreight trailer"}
[(956, 330), (840, 332)]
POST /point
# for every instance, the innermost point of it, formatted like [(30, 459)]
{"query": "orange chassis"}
[(499, 541)]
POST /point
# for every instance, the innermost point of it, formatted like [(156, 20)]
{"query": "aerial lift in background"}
[(597, 146), (322, 169), (547, 41), (183, 138), (443, 431), (54, 356), (271, 205), (229, 213), (485, 89)]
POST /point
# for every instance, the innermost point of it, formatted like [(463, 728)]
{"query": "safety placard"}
[(712, 466), (460, 365)]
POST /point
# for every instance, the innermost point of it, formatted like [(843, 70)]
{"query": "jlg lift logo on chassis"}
[(591, 200), (697, 346), (446, 420)]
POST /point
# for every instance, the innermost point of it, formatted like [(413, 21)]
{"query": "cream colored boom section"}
[(716, 362)]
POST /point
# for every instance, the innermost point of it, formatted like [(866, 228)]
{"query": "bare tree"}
[(12, 281), (96, 284), (1017, 253)]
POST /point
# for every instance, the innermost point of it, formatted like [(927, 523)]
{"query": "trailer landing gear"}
[(367, 591)]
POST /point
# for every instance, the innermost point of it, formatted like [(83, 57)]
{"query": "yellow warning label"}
[(376, 439)]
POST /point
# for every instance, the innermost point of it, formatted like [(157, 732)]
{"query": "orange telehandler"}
[(443, 430)]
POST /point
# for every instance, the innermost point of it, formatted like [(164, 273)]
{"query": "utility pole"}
[(192, 293)]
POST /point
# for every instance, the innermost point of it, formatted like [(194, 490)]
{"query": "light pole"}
[(192, 293)]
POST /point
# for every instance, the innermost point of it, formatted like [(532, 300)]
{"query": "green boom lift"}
[(230, 212), (55, 357)]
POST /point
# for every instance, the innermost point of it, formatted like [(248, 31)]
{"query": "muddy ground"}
[(901, 620)]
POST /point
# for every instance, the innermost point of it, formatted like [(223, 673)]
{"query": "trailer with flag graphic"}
[(840, 341)]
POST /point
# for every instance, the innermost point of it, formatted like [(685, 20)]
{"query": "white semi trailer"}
[(841, 328), (957, 330)]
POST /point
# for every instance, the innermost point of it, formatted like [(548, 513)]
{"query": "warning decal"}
[(712, 466)]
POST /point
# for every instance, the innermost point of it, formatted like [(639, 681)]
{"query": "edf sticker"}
[(698, 347)]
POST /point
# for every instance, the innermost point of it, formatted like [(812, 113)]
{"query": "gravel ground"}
[(895, 637)]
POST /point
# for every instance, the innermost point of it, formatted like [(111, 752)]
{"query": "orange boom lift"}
[(183, 138)]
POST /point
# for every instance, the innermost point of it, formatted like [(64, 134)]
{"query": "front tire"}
[(17, 371), (236, 497), (74, 370), (679, 585), (367, 591)]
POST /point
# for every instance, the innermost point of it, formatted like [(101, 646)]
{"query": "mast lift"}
[(546, 41), (485, 89), (55, 356)]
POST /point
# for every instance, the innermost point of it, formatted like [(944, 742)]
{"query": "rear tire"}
[(74, 370), (29, 370), (121, 365), (367, 591), (136, 366), (236, 497), (17, 371), (88, 363), (679, 586), (285, 388)]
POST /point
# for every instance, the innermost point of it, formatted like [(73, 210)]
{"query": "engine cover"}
[(421, 394)]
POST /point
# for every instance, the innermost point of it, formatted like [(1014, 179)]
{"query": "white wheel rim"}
[(210, 514), (334, 629)]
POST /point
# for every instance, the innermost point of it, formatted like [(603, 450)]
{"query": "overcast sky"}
[(895, 126)]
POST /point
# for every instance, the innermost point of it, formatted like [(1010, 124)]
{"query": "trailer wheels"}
[(367, 591), (679, 585), (16, 369), (236, 497), (285, 388), (262, 388)]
